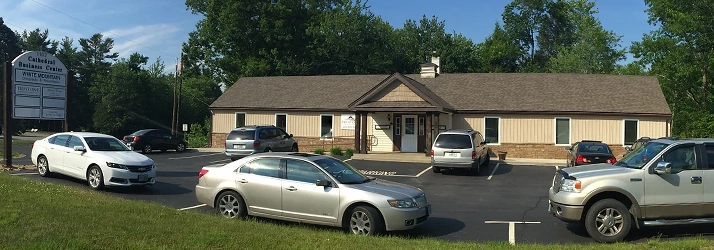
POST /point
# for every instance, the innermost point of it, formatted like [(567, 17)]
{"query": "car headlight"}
[(114, 165), (403, 203), (569, 185)]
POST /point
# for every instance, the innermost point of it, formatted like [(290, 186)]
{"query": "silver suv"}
[(664, 182), (252, 139), (459, 149)]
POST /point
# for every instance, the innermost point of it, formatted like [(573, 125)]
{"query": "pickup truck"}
[(665, 182)]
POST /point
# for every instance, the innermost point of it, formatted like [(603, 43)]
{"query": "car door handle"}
[(697, 180), (243, 181), (291, 188)]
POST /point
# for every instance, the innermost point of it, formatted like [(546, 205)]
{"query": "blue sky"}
[(156, 28)]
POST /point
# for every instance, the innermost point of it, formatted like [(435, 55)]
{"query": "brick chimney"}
[(431, 69)]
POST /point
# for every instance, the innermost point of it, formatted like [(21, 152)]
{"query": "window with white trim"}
[(240, 120), (630, 132), (421, 125), (562, 131), (281, 121), (398, 125), (491, 129), (326, 126)]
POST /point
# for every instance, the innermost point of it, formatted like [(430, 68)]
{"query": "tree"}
[(500, 53), (37, 40), (9, 49), (93, 69)]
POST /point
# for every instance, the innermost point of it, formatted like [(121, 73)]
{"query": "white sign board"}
[(347, 122), (39, 83), (185, 127)]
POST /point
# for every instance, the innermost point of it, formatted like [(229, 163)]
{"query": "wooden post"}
[(363, 134), (173, 108), (7, 114), (67, 108), (429, 133), (358, 130)]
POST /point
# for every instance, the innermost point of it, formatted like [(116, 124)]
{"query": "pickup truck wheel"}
[(608, 221)]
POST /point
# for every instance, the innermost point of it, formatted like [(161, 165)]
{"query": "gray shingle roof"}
[(524, 92)]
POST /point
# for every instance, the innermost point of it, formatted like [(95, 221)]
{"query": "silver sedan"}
[(311, 188)]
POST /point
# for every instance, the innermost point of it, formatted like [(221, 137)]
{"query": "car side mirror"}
[(663, 168), (569, 148), (628, 148), (290, 135), (322, 183), (79, 148), (486, 141)]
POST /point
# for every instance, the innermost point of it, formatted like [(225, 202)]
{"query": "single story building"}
[(527, 115)]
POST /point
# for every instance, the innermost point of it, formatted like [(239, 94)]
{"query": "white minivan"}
[(464, 149)]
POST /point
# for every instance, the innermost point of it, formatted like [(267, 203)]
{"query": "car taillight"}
[(202, 173), (473, 154), (611, 160), (123, 138), (225, 144), (431, 153), (136, 138), (256, 144), (580, 159)]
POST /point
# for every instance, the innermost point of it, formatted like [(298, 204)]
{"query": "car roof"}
[(293, 155), (84, 134), (458, 131), (251, 127)]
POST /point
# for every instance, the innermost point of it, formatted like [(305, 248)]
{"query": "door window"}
[(302, 171), (710, 156), (269, 167), (682, 158), (61, 140), (409, 125), (75, 141)]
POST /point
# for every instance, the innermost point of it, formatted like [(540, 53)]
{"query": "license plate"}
[(238, 146), (143, 177), (452, 154)]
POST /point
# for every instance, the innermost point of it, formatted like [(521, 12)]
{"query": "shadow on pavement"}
[(502, 169), (159, 188), (654, 232)]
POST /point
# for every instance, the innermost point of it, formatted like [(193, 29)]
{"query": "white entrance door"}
[(409, 137)]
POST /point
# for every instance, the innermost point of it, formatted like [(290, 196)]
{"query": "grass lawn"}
[(18, 142), (14, 155), (40, 215)]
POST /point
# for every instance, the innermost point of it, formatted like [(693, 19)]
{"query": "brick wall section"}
[(541, 151), (306, 144)]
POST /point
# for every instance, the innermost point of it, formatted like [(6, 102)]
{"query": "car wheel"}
[(43, 167), (366, 221), (147, 148), (608, 221), (268, 150), (295, 148), (180, 147), (95, 178), (435, 170), (231, 205)]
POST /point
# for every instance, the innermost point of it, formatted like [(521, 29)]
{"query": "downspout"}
[(210, 129)]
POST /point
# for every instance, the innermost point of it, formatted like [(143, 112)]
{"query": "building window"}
[(240, 120), (421, 125), (562, 131), (398, 125), (631, 131), (326, 126), (492, 129), (281, 121)]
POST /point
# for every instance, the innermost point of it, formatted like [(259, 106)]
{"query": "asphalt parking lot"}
[(466, 207)]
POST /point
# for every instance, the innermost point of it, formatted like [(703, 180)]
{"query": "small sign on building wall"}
[(347, 122), (185, 127)]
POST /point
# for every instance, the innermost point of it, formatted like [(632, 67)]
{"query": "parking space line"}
[(348, 159), (423, 171), (494, 171), (187, 208), (557, 168), (194, 156), (24, 174), (511, 228)]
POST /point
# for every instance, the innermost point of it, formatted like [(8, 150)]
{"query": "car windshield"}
[(640, 156), (594, 148), (105, 144), (343, 172), (453, 141)]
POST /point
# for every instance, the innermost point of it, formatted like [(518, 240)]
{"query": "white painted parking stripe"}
[(423, 171), (197, 206), (493, 172), (348, 159), (512, 228), (186, 157), (24, 174)]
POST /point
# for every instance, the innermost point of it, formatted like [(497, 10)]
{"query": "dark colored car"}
[(640, 142), (148, 140), (589, 152)]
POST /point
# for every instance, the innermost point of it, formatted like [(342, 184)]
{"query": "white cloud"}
[(143, 39)]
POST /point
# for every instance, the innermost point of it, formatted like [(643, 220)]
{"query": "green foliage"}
[(198, 134), (319, 151), (349, 152), (337, 151)]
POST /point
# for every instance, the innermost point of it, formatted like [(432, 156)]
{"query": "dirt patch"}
[(16, 167)]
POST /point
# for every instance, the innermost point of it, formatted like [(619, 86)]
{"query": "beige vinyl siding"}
[(223, 121), (384, 137), (397, 92), (302, 124), (541, 129)]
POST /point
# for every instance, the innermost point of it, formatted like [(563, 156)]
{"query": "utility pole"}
[(173, 108), (178, 103)]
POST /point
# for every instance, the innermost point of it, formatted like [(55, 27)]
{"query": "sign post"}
[(6, 117), (38, 91)]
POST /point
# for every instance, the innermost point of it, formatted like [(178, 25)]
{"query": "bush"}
[(349, 152), (197, 136), (319, 151), (337, 151)]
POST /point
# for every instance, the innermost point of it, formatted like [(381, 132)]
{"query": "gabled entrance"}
[(410, 104)]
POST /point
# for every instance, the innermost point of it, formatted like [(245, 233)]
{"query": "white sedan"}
[(100, 159)]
